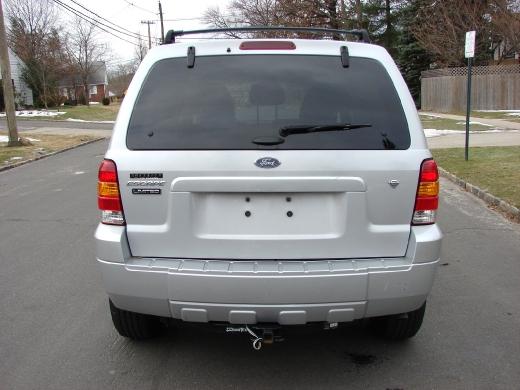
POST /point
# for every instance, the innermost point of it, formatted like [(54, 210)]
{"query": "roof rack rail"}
[(361, 33)]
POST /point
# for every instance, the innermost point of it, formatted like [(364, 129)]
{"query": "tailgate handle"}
[(268, 184)]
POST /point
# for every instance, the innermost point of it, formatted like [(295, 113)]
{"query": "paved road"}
[(55, 332), (26, 124), (31, 127), (480, 138)]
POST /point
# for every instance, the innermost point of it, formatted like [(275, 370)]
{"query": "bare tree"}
[(120, 77), (140, 51), (444, 24), (34, 35), (293, 13), (85, 52), (245, 12), (505, 26)]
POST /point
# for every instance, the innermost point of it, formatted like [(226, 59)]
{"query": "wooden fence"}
[(493, 88)]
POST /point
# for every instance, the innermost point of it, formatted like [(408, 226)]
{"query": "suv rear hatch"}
[(208, 174)]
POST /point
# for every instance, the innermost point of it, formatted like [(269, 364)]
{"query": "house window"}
[(93, 90)]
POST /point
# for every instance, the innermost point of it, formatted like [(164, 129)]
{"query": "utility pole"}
[(148, 22), (162, 22), (8, 85)]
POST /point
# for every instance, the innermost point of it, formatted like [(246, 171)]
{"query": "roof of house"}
[(99, 76)]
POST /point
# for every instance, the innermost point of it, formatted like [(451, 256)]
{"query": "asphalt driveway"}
[(55, 330)]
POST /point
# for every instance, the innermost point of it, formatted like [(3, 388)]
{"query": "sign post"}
[(469, 53)]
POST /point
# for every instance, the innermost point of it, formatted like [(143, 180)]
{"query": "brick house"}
[(71, 87)]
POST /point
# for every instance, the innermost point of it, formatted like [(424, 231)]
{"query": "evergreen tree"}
[(411, 58), (383, 22)]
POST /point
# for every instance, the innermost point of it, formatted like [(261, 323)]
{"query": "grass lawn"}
[(46, 143), (431, 122), (491, 115), (493, 169), (96, 112), (497, 115)]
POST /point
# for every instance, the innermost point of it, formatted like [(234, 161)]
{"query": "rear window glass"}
[(226, 102)]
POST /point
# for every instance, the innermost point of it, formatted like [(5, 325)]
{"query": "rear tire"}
[(399, 326), (135, 326)]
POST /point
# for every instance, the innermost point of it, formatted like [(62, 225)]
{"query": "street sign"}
[(469, 52), (469, 49)]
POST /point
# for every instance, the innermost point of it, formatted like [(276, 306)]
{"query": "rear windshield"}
[(227, 102)]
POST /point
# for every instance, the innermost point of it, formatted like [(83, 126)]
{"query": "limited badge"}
[(146, 191)]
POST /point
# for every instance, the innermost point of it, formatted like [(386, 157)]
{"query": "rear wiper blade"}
[(304, 129)]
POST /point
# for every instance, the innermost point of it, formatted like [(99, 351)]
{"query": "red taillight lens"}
[(109, 200), (267, 45), (429, 171), (427, 198)]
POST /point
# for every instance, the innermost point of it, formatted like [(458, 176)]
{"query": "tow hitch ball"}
[(267, 333), (259, 335)]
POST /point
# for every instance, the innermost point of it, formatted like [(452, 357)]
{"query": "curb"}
[(7, 167), (493, 201)]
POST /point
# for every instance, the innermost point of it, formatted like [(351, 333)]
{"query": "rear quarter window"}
[(225, 102)]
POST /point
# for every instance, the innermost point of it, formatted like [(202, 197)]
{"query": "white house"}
[(23, 94)]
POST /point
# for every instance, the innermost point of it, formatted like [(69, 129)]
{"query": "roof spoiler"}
[(361, 34)]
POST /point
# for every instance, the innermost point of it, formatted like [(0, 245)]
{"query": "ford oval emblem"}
[(267, 162)]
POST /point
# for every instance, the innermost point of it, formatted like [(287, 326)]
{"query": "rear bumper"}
[(286, 292)]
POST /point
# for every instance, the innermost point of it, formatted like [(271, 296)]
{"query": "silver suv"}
[(259, 183)]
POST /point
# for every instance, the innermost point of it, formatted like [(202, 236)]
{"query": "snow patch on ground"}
[(431, 115), (430, 133), (82, 120), (513, 114), (35, 113), (475, 123), (5, 138), (498, 111)]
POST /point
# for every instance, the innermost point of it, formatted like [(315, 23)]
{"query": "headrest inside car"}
[(266, 94)]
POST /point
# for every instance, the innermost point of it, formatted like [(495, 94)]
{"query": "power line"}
[(141, 8), (95, 23), (119, 27), (193, 18)]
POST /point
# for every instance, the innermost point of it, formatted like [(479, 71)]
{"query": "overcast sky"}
[(178, 14)]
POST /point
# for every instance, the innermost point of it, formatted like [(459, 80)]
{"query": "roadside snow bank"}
[(498, 111), (475, 123), (82, 120), (5, 138), (430, 133), (34, 113)]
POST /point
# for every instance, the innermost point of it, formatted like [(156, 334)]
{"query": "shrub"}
[(82, 100), (105, 101)]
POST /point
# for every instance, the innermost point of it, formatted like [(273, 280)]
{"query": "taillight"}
[(427, 199), (109, 200)]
